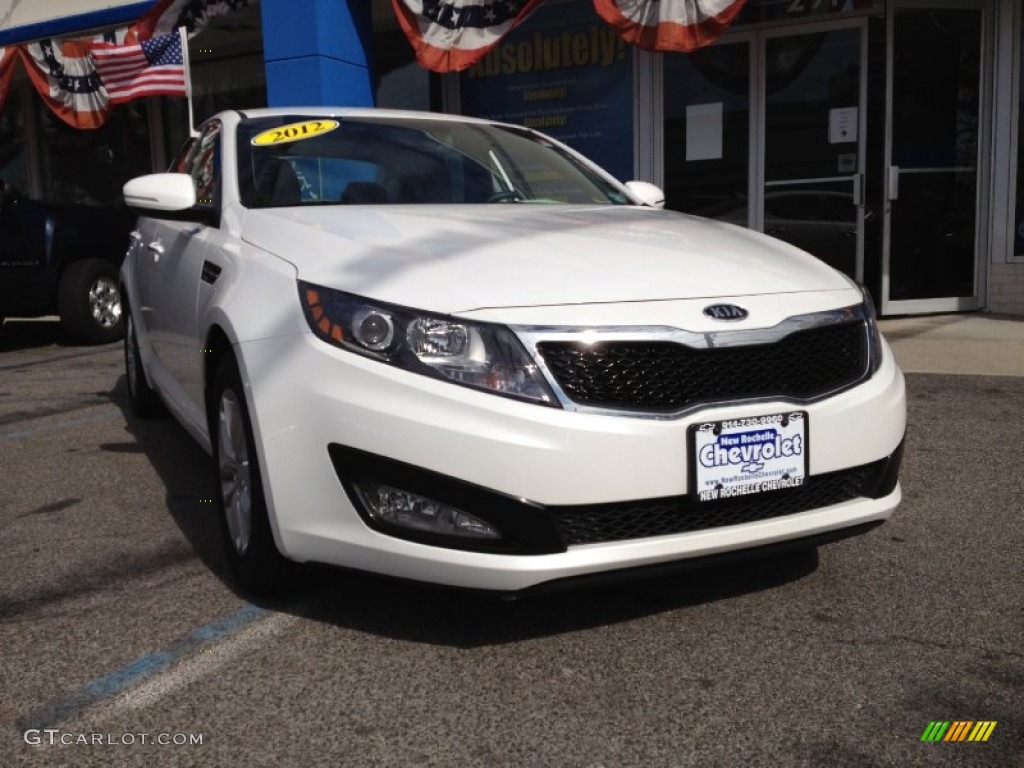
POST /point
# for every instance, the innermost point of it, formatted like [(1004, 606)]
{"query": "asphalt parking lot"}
[(118, 624)]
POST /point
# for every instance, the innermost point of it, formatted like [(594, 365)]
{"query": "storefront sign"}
[(563, 72)]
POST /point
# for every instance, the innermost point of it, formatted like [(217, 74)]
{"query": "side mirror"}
[(159, 192), (648, 194), (169, 196)]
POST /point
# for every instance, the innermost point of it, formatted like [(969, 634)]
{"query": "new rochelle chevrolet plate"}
[(739, 457)]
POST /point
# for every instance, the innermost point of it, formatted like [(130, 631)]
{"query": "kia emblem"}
[(725, 312)]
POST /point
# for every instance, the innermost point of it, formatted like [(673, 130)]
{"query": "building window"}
[(228, 72), (399, 82), (90, 167), (707, 118), (13, 172), (566, 73)]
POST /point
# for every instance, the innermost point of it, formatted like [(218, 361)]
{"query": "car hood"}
[(461, 258)]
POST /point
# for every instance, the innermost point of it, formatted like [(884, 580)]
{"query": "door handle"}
[(156, 248), (894, 182)]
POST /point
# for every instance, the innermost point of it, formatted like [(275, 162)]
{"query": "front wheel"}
[(89, 302), (252, 555)]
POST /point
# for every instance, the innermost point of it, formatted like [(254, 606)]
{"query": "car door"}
[(174, 257)]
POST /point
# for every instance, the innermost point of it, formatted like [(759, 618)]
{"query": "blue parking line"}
[(113, 683), (56, 427)]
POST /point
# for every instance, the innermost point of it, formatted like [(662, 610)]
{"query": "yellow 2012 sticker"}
[(307, 129)]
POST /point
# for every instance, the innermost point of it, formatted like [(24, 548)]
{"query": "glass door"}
[(813, 95), (933, 183)]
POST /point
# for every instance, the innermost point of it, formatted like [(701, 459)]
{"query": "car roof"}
[(357, 112)]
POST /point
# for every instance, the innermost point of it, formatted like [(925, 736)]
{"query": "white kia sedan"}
[(456, 351)]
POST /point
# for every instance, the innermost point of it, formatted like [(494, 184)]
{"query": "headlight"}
[(874, 335), (479, 355)]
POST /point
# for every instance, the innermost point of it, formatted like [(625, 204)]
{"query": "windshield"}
[(295, 160)]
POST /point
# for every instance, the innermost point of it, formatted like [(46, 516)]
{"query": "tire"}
[(89, 302), (143, 399), (253, 557)]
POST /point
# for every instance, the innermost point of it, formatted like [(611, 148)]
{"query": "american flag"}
[(153, 67)]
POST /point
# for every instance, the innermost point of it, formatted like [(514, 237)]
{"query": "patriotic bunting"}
[(193, 15), (450, 35), (8, 56), (447, 35), (63, 74), (669, 25)]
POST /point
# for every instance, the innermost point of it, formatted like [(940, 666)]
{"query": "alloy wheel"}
[(233, 464), (105, 302)]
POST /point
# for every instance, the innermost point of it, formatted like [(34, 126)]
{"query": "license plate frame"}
[(760, 454)]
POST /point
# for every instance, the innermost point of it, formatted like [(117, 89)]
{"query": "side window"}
[(204, 165), (180, 162)]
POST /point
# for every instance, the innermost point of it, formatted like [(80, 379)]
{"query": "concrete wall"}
[(1006, 288)]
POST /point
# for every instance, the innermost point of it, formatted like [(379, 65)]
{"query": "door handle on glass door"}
[(894, 182)]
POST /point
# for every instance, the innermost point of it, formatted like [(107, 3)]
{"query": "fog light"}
[(409, 510)]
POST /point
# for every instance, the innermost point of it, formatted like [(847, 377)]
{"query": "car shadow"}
[(425, 613), (185, 471), (18, 334), (438, 616), (30, 334)]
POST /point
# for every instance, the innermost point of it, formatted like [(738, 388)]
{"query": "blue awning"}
[(57, 22)]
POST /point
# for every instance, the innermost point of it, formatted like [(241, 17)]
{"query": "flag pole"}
[(188, 81)]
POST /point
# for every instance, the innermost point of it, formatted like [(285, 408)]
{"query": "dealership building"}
[(884, 136)]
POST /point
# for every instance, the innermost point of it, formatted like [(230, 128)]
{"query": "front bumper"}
[(540, 460)]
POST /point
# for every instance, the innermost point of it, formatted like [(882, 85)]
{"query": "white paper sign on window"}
[(704, 132), (842, 125)]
